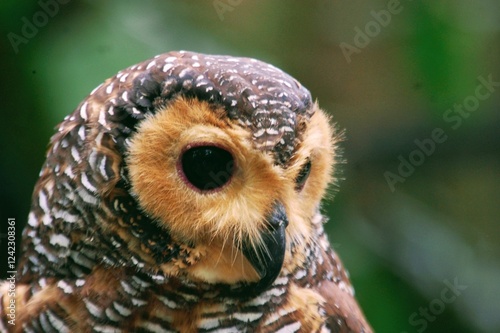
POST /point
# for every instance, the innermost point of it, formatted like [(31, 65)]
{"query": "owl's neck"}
[(320, 263)]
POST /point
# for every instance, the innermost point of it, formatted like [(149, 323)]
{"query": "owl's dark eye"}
[(303, 175), (207, 167)]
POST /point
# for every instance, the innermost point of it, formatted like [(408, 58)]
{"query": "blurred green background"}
[(389, 72)]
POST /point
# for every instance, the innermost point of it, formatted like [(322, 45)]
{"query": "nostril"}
[(207, 167)]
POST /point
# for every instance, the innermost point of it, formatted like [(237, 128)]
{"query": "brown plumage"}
[(183, 195)]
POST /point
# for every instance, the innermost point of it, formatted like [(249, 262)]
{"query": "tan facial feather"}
[(217, 219), (221, 219)]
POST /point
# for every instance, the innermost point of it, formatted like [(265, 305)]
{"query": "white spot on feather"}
[(122, 310), (128, 288), (167, 67), (56, 322), (208, 323), (247, 317), (32, 220), (102, 168), (140, 282), (81, 133), (93, 308), (112, 315), (300, 274), (42, 250), (106, 329), (125, 96), (87, 184), (109, 88), (59, 239), (46, 219), (83, 111), (102, 120), (153, 327), (227, 330), (124, 77), (65, 287), (151, 64), (42, 283), (169, 303), (69, 172), (90, 199), (138, 302), (42, 201), (75, 154), (291, 328)]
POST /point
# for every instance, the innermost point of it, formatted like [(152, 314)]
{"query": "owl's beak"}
[(267, 259)]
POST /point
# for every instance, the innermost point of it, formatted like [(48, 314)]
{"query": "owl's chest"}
[(188, 311), (283, 306)]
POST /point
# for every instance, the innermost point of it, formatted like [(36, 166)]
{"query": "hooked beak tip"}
[(270, 261)]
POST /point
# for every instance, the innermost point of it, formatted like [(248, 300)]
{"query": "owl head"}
[(204, 168)]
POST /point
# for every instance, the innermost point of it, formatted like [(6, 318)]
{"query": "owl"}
[(183, 195)]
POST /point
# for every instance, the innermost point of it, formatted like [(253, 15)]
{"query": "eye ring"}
[(206, 167), (303, 175)]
